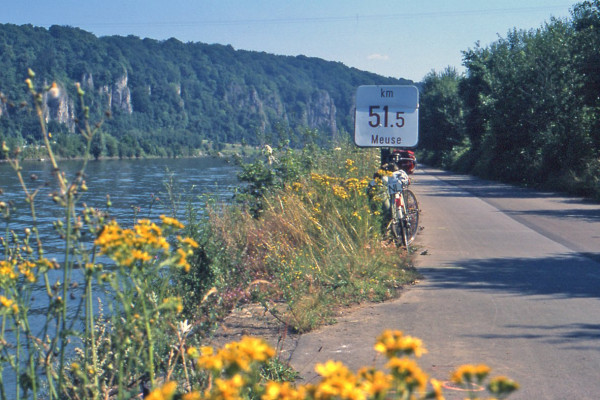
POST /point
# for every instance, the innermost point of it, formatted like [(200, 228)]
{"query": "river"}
[(137, 190)]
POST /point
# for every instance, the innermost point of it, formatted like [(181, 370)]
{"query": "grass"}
[(315, 243)]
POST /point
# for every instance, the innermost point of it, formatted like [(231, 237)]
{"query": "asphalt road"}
[(511, 278)]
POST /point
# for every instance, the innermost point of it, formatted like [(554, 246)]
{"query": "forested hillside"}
[(527, 109), (169, 98)]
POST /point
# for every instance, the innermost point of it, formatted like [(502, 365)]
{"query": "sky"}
[(400, 39)]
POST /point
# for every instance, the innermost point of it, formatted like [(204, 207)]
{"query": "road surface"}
[(511, 278)]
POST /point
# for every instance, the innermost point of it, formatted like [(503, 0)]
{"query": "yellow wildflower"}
[(283, 391), (192, 396), (171, 222), (393, 343), (502, 386), (340, 192), (228, 389), (437, 390), (209, 360), (188, 241), (9, 304), (467, 373), (165, 392), (407, 371), (7, 271), (375, 383)]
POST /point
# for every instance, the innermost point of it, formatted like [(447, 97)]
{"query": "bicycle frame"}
[(401, 222)]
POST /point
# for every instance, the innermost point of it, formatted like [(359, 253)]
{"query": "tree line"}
[(527, 108), (171, 98)]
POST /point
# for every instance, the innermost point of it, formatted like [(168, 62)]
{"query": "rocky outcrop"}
[(317, 112), (321, 112), (118, 95), (58, 106)]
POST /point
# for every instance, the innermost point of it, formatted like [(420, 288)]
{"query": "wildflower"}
[(340, 192), (192, 352), (26, 269), (332, 368), (209, 360), (393, 343), (502, 386), (466, 373), (7, 271), (54, 91), (188, 241), (297, 186), (192, 396), (283, 391), (182, 260), (228, 389), (171, 222), (9, 304), (406, 370), (165, 392), (375, 383), (437, 390)]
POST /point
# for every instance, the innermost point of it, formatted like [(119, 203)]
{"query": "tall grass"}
[(312, 241)]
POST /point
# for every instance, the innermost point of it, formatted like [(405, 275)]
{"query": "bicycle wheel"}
[(411, 219)]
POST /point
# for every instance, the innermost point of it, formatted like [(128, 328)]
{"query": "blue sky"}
[(402, 39)]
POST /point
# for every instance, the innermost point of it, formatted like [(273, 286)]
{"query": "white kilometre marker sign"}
[(386, 116)]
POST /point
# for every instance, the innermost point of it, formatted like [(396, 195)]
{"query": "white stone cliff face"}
[(59, 107), (320, 112), (118, 95)]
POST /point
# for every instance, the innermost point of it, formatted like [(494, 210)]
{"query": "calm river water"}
[(136, 188)]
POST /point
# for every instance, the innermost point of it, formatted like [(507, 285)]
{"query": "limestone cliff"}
[(316, 112), (58, 106), (118, 95)]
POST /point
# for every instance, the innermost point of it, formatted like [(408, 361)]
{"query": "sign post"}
[(386, 116)]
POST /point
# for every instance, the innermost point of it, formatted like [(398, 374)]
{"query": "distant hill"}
[(169, 97)]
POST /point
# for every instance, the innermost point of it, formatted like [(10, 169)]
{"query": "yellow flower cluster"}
[(234, 356), (471, 373), (127, 246), (350, 165), (26, 269), (9, 304), (7, 271), (394, 343), (322, 179), (171, 222), (342, 188), (166, 392), (408, 372), (340, 192), (232, 368), (143, 242)]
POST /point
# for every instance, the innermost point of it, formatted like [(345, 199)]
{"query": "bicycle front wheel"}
[(412, 217)]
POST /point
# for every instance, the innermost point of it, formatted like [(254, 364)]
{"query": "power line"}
[(332, 19)]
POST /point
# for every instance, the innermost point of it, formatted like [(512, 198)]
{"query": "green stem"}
[(66, 283), (18, 360), (150, 367), (90, 334)]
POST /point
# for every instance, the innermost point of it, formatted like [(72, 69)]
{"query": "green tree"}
[(441, 114)]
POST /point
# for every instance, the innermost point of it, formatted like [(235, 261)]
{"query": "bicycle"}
[(404, 223)]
